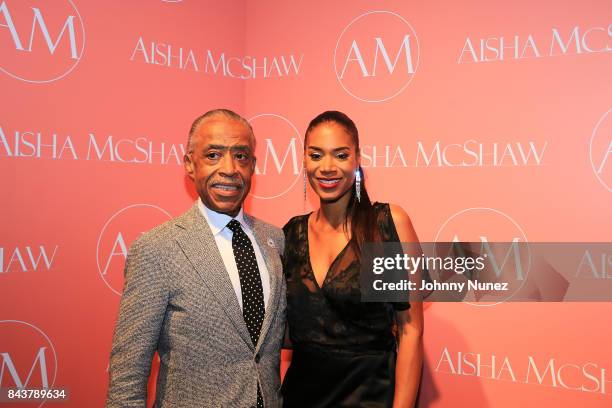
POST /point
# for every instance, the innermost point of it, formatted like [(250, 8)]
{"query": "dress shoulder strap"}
[(385, 222)]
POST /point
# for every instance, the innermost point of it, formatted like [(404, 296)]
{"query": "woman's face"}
[(331, 160)]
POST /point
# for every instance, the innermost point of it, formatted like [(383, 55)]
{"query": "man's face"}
[(221, 163)]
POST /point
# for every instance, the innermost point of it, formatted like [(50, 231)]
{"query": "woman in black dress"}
[(345, 353)]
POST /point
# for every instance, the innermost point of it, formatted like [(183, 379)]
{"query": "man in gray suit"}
[(205, 290)]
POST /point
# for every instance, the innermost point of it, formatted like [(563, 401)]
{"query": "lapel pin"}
[(271, 243)]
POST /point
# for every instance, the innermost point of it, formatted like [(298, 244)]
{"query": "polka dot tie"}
[(253, 309)]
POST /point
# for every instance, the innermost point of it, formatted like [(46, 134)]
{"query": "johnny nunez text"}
[(405, 284)]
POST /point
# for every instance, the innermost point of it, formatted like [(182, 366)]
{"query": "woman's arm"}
[(410, 330)]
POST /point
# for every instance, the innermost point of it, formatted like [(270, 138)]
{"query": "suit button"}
[(257, 358)]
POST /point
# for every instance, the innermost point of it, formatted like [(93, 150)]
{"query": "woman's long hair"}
[(359, 213)]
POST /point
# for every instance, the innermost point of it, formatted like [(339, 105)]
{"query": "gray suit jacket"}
[(178, 300)]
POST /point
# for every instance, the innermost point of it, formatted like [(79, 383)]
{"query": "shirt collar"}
[(218, 221)]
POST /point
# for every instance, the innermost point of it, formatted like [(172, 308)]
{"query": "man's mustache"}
[(238, 182)]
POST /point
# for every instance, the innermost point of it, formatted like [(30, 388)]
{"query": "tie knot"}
[(234, 226)]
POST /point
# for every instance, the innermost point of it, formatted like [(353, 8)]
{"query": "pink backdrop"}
[(480, 118)]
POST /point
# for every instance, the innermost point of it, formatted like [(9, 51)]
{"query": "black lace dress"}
[(344, 351)]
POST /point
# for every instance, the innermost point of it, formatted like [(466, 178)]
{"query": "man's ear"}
[(189, 166), (254, 162)]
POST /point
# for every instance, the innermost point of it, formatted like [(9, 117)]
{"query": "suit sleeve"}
[(141, 313), (281, 241)]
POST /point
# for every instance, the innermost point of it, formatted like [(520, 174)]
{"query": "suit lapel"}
[(199, 246), (273, 265)]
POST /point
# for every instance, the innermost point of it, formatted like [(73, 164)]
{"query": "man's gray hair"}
[(214, 113)]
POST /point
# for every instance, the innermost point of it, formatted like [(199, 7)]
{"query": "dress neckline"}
[(309, 263)]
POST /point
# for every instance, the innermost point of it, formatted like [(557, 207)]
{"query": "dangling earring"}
[(358, 184), (304, 171)]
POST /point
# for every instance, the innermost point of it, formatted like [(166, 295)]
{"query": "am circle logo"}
[(42, 41), (497, 237), (27, 356), (600, 150), (116, 236), (279, 154), (376, 56)]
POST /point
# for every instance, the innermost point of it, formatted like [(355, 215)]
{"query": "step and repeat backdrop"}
[(484, 120)]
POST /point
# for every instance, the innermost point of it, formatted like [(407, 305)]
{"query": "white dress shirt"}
[(223, 237)]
